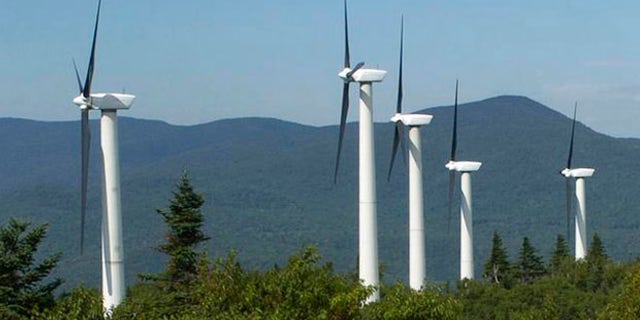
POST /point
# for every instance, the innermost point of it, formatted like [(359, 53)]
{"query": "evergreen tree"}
[(530, 264), (596, 251), (560, 256), (21, 279), (184, 219), (497, 266), (597, 261)]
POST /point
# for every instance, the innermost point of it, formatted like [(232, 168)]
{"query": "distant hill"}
[(269, 189)]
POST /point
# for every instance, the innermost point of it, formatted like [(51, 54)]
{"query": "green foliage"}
[(303, 289), (596, 251), (600, 271), (184, 219), (626, 304), (22, 286), (571, 290), (547, 297), (80, 304), (560, 258), (530, 265), (497, 269), (307, 288), (149, 301), (401, 302)]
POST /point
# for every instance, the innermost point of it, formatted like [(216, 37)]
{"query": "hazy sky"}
[(201, 60)]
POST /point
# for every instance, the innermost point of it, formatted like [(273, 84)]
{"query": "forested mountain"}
[(268, 186)]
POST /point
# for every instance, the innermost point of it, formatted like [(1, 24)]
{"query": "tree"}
[(626, 304), (560, 256), (530, 264), (597, 261), (184, 219), (401, 302), (596, 251), (21, 278), (81, 303), (497, 266), (304, 288)]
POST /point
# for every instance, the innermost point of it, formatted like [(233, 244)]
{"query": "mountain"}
[(268, 186)]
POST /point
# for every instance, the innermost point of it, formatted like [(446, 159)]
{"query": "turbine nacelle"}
[(463, 166), (412, 120), (578, 172), (105, 101), (362, 75)]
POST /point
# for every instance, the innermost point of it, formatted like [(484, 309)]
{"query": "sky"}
[(197, 61)]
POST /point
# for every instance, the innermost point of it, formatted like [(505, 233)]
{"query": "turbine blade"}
[(399, 101), (396, 141), (77, 75), (452, 182), (403, 147), (568, 205), (85, 140), (397, 135), (343, 124), (87, 84), (573, 130), (454, 138), (347, 57)]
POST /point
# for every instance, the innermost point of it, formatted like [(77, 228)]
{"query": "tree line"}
[(195, 286)]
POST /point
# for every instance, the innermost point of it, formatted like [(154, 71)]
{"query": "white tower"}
[(581, 214), (112, 253), (367, 217), (466, 215), (417, 261)]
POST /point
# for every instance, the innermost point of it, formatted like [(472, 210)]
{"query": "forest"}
[(193, 285)]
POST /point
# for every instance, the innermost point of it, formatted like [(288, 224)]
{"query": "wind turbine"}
[(367, 217), (466, 213), (113, 288), (417, 269), (579, 174)]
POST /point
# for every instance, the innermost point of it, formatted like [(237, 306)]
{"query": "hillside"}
[(269, 188)]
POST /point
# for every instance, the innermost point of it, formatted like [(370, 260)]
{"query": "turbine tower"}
[(417, 269), (581, 211), (113, 288), (466, 213), (367, 217)]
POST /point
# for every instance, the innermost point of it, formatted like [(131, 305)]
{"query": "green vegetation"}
[(23, 289), (592, 288), (184, 219), (496, 269), (308, 288), (194, 286)]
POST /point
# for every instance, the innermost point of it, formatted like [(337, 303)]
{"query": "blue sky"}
[(197, 61)]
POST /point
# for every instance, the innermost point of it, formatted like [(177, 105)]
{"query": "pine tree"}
[(185, 220), (596, 251), (530, 264), (597, 261), (21, 279), (497, 266), (560, 256)]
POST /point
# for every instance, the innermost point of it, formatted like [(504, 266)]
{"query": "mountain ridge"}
[(268, 186)]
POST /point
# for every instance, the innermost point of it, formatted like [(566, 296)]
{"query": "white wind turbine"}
[(466, 214), (417, 269), (581, 215), (113, 288), (367, 218)]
